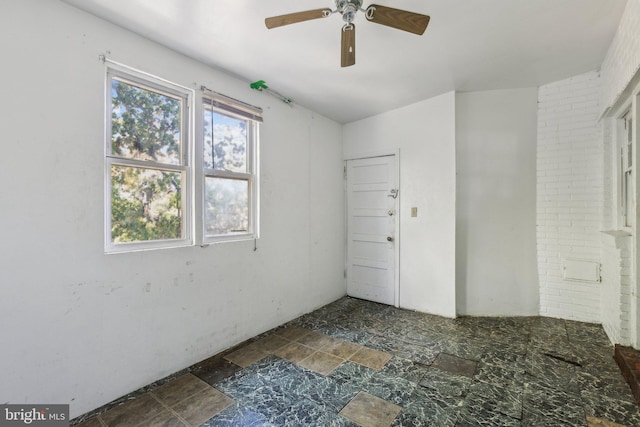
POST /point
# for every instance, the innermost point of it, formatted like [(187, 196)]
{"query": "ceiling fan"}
[(415, 23)]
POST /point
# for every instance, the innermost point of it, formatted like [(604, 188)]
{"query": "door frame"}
[(396, 247)]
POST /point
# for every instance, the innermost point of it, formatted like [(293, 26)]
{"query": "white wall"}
[(620, 298), (496, 272), (622, 61), (570, 192), (77, 325), (425, 135)]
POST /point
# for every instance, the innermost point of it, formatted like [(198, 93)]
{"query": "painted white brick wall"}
[(623, 57), (616, 287), (619, 67), (569, 193)]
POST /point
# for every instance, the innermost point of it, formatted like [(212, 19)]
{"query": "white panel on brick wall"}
[(580, 270)]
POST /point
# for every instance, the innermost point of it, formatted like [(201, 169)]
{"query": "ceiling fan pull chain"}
[(369, 12)]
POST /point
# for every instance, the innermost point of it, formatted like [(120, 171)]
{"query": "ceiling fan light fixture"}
[(411, 22)]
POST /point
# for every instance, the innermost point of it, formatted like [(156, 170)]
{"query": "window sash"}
[(250, 233), (211, 104), (231, 106), (152, 84)]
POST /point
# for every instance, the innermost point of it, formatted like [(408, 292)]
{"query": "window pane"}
[(145, 125), (146, 204), (225, 142), (227, 206), (628, 198)]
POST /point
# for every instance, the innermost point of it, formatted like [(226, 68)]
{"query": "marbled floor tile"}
[(506, 400), (551, 372), (363, 323), (352, 372), (384, 343), (308, 321), (466, 348), (423, 337), (620, 411), (388, 387), (517, 346), (445, 382), (418, 353), (544, 344), (565, 354), (270, 402), (404, 368), (455, 365), (428, 408), (504, 359), (548, 372), (235, 416), (370, 411), (502, 376), (473, 416), (337, 331), (593, 354), (293, 378), (586, 332), (544, 406), (605, 384), (306, 413), (332, 393), (548, 324), (242, 384)]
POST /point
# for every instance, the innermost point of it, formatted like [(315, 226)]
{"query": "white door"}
[(371, 229)]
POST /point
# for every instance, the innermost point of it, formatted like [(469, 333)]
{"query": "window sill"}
[(229, 239), (618, 233)]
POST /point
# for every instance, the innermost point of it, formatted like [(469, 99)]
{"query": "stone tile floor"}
[(354, 363)]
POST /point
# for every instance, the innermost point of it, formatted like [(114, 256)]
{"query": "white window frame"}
[(153, 83), (622, 167), (222, 104)]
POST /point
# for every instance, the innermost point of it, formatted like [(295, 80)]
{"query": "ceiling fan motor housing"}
[(348, 9)]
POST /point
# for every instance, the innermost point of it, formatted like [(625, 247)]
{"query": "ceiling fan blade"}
[(415, 23), (293, 18), (348, 45)]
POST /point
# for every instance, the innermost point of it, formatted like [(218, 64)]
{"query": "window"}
[(625, 149), (230, 169), (148, 183)]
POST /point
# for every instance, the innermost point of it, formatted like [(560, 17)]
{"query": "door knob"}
[(389, 239)]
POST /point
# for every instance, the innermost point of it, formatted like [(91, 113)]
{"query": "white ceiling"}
[(469, 45)]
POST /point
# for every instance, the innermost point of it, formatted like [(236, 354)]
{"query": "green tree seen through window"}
[(146, 202)]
